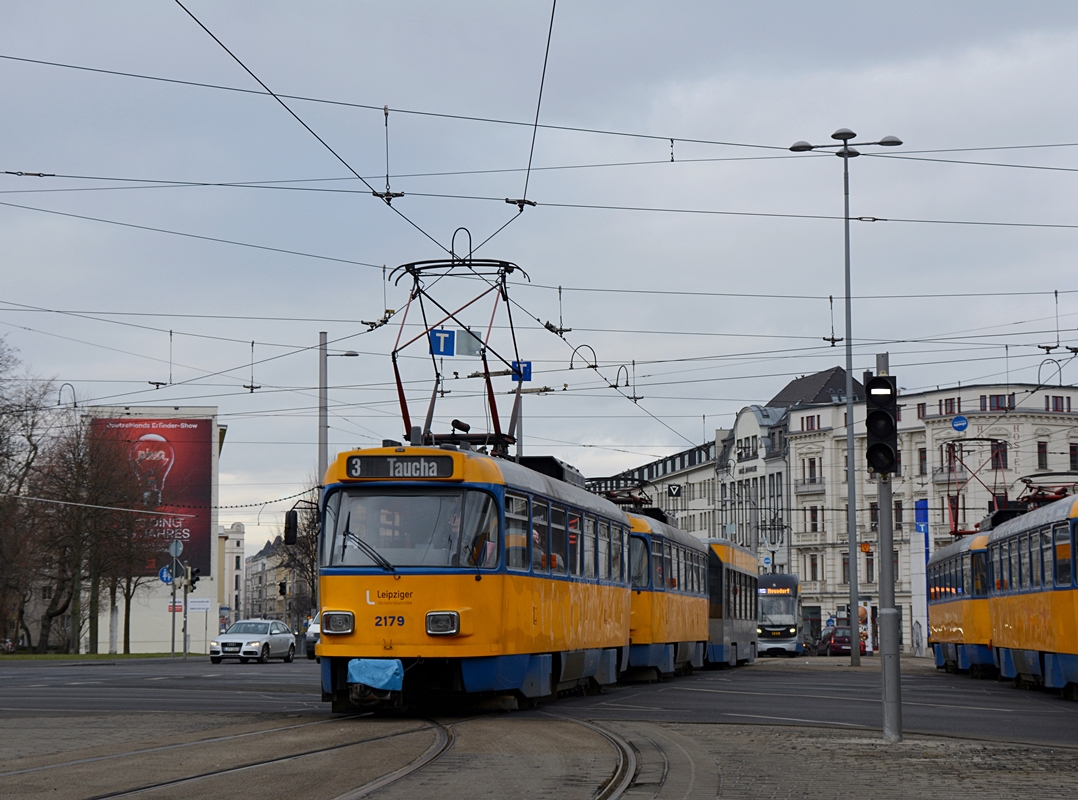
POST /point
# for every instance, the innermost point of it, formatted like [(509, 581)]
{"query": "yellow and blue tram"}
[(959, 625), (732, 608), (445, 571), (1007, 601), (668, 627), (1032, 599)]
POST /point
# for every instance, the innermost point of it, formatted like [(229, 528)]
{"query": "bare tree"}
[(301, 558)]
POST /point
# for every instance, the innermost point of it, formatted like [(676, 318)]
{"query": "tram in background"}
[(1016, 578), (732, 609), (959, 626), (668, 627), (779, 623)]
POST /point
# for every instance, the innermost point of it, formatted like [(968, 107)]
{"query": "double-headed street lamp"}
[(323, 403), (845, 151)]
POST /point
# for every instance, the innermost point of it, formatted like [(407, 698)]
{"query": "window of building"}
[(845, 467), (922, 410), (997, 402), (874, 516), (950, 405), (810, 422), (870, 568), (237, 582), (898, 515), (808, 470), (237, 562), (1042, 455), (1074, 456), (894, 565), (898, 413), (898, 462), (1057, 403), (814, 567), (814, 518), (845, 567), (999, 455)]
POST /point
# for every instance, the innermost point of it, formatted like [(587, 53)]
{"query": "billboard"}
[(173, 462)]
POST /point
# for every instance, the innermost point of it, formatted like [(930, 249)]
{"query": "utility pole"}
[(890, 664), (173, 653), (186, 586), (323, 408)]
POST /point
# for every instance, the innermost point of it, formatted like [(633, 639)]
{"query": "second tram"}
[(779, 625)]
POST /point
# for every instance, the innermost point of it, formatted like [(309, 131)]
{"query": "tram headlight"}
[(337, 622), (443, 623), (793, 630), (759, 631)]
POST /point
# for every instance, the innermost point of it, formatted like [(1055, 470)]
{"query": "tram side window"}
[(540, 536), (658, 579), (967, 576), (557, 541), (668, 566), (620, 539), (576, 548), (1063, 555), (589, 547), (980, 574), (694, 575), (1046, 556), (999, 566), (516, 532), (638, 549), (716, 593), (604, 550), (728, 604), (754, 593), (1035, 561), (1016, 565)]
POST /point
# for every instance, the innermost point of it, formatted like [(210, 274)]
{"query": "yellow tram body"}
[(733, 607), (959, 625), (668, 611)]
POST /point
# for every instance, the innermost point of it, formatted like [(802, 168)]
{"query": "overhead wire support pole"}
[(323, 406), (890, 624)]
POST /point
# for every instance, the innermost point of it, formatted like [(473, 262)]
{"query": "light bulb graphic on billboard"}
[(152, 456)]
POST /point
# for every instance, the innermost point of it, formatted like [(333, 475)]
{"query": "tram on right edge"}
[(1005, 602)]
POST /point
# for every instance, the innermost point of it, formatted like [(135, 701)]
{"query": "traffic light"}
[(194, 573), (881, 413), (282, 588)]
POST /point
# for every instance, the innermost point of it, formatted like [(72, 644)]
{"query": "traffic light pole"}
[(186, 585), (890, 665)]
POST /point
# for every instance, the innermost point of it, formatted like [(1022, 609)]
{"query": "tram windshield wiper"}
[(370, 552)]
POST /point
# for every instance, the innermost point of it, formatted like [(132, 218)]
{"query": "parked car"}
[(314, 630), (260, 639), (836, 642)]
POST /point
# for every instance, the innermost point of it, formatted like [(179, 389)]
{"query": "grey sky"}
[(940, 76)]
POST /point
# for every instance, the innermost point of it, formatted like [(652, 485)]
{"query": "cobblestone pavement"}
[(756, 761)]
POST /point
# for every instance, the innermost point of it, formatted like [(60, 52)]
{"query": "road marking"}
[(82, 683), (847, 699), (795, 719), (162, 678)]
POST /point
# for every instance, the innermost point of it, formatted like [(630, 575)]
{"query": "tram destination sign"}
[(399, 467)]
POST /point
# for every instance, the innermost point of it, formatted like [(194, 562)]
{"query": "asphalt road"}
[(801, 692)]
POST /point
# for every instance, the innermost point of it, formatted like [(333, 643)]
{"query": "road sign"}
[(165, 574), (866, 547), (442, 342), (673, 490), (468, 344), (959, 423), (830, 622), (198, 604), (767, 561), (522, 371), (175, 547), (176, 607)]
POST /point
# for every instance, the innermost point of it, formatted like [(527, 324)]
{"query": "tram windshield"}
[(778, 609), (410, 528)]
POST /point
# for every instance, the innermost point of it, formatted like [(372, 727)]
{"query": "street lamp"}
[(845, 150), (323, 402)]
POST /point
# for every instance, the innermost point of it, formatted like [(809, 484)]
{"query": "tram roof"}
[(736, 555), (473, 467), (658, 528), (975, 542), (1060, 510)]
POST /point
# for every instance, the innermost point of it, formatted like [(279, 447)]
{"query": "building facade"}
[(231, 573), (947, 479)]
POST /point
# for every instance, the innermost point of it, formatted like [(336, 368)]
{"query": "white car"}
[(260, 639), (314, 630)]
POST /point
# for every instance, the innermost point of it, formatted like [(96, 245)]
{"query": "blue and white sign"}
[(959, 423), (522, 370), (165, 574), (442, 342), (767, 561), (830, 622)]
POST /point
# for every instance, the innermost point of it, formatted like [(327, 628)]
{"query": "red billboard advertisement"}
[(173, 461)]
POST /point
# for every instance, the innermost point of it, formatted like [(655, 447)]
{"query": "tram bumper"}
[(374, 681)]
